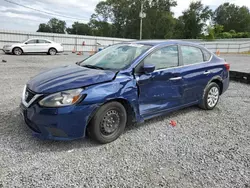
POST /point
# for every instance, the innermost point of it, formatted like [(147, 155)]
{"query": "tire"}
[(52, 51), (17, 51), (211, 96), (108, 123)]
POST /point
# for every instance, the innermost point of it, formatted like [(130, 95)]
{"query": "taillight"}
[(227, 65)]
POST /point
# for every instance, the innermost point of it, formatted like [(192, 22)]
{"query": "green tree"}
[(103, 11), (124, 17), (218, 29), (159, 23), (232, 17), (179, 28), (53, 26), (79, 29), (101, 28), (57, 26), (43, 27), (194, 19)]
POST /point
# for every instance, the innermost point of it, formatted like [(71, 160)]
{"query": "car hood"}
[(68, 77), (12, 44)]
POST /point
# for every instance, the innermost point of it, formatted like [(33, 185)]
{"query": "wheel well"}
[(52, 48), (16, 47), (220, 84), (130, 111)]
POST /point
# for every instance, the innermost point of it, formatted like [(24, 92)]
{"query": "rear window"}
[(191, 55), (43, 41)]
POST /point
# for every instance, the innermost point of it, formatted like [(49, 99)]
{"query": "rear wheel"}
[(211, 96), (52, 51), (17, 51), (108, 123)]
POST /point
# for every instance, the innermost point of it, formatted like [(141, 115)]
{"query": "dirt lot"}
[(205, 149)]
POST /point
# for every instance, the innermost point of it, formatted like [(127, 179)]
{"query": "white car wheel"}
[(17, 51), (52, 51)]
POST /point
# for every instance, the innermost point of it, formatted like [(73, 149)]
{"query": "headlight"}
[(63, 98)]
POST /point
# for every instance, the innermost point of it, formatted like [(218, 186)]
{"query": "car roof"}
[(39, 39), (163, 42)]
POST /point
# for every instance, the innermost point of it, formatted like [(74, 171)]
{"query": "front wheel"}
[(108, 123), (17, 51), (210, 97)]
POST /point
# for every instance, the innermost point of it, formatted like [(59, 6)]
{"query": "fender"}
[(211, 80)]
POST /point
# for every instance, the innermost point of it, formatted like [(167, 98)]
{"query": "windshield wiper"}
[(93, 67)]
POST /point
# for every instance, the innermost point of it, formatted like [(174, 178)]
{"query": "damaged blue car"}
[(123, 83)]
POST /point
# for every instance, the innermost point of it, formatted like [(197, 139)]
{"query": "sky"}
[(14, 17)]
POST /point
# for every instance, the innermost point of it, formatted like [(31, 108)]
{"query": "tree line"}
[(120, 18)]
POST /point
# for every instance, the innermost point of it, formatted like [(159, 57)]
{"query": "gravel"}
[(205, 149)]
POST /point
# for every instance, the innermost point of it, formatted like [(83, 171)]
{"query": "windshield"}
[(115, 57)]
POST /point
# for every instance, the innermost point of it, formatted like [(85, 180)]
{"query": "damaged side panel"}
[(123, 87)]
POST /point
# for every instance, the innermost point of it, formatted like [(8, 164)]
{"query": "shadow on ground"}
[(19, 137)]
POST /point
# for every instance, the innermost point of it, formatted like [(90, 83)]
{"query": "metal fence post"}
[(76, 43), (95, 45), (239, 48)]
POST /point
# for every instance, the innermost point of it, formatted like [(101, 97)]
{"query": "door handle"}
[(207, 72), (176, 78)]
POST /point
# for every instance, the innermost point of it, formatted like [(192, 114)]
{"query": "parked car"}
[(34, 46), (124, 83)]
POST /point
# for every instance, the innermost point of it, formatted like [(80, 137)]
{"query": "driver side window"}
[(166, 57), (32, 42)]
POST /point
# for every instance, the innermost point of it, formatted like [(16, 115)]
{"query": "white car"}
[(34, 46)]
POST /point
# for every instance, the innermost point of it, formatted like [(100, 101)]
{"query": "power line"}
[(44, 12)]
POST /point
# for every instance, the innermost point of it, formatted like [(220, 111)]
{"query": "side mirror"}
[(148, 68), (25, 43), (77, 63)]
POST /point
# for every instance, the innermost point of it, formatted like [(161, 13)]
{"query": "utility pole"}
[(141, 21), (142, 15)]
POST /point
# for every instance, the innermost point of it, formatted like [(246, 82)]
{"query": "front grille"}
[(29, 95)]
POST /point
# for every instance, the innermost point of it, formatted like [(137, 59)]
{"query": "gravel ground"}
[(205, 149)]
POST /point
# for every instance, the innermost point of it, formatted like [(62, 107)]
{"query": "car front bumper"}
[(66, 123), (7, 49)]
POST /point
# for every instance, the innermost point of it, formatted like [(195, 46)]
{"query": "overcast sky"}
[(15, 17)]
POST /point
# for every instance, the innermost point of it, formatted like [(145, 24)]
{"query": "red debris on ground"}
[(173, 123)]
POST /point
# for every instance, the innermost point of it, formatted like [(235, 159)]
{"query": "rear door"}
[(159, 90), (195, 71), (30, 46), (42, 46)]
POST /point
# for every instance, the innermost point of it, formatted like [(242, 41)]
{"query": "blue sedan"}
[(124, 83)]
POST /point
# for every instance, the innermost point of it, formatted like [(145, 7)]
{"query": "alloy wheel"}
[(52, 52), (17, 51), (213, 97)]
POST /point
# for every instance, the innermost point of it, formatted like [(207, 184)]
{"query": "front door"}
[(30, 46), (160, 90)]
